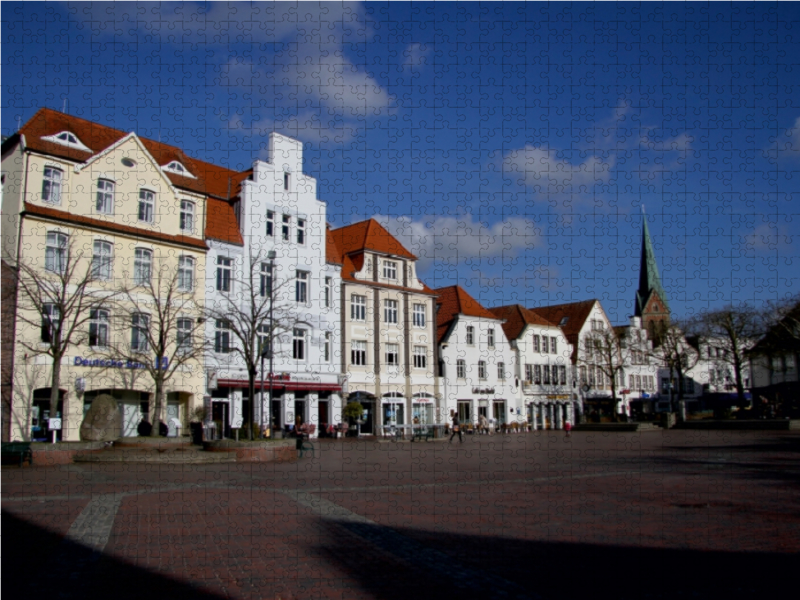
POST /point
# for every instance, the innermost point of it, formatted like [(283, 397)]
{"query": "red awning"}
[(291, 386)]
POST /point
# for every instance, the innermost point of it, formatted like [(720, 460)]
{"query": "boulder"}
[(102, 422)]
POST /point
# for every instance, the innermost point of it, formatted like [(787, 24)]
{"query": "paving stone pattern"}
[(634, 515)]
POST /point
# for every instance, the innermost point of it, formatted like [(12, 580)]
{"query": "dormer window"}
[(66, 138), (178, 169), (563, 321)]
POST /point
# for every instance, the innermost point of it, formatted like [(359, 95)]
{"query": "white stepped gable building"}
[(477, 365), (542, 357), (276, 211)]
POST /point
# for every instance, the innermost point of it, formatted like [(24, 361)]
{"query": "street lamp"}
[(268, 349)]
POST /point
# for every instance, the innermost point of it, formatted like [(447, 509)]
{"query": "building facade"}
[(270, 243), (388, 330), (477, 365), (80, 194), (543, 368)]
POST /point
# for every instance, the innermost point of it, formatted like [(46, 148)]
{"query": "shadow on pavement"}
[(39, 564)]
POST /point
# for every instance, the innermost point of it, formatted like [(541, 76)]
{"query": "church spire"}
[(651, 299)]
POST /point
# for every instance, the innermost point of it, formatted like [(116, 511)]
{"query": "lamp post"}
[(263, 351)]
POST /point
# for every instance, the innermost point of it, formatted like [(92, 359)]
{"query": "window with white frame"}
[(490, 337), (301, 231), (222, 336), (55, 253), (187, 216), (389, 269), (390, 311), (105, 197), (545, 344), (286, 181), (301, 287), (328, 292), (461, 368), (142, 266), (358, 307), (184, 335), (554, 370), (529, 373), (420, 357), (265, 280), (553, 347), (270, 223), (285, 224), (299, 343), (224, 272), (501, 371), (326, 347), (419, 315), (51, 322), (536, 343), (562, 370), (546, 374), (147, 203), (392, 354), (51, 185), (481, 369), (470, 335), (185, 273), (537, 374), (140, 324), (358, 352), (101, 260)]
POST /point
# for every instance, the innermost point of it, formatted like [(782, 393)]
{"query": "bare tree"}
[(58, 300), (605, 352), (734, 330), (257, 313), (160, 310), (676, 354)]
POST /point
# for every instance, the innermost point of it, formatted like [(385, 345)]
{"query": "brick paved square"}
[(657, 515)]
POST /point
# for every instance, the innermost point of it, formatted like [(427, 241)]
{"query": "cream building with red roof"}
[(388, 342), (477, 365), (132, 206)]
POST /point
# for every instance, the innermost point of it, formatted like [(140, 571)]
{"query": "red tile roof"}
[(577, 313), (221, 222), (369, 235), (210, 179), (138, 232), (454, 301), (332, 256), (516, 318)]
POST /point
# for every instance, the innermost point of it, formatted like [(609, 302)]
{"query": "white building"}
[(388, 341), (638, 379), (276, 210), (542, 357), (477, 365)]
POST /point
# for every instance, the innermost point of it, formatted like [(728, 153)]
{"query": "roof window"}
[(563, 321), (178, 169), (66, 138)]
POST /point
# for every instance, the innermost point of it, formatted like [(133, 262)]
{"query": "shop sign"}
[(110, 363), (557, 397), (476, 390)]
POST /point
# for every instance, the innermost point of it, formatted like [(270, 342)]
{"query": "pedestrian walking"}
[(456, 430), (483, 423), (568, 428)]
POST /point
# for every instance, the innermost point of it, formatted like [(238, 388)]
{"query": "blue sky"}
[(510, 146)]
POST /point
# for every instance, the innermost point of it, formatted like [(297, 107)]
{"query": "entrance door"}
[(275, 416), (219, 414), (499, 410), (367, 426), (299, 412), (131, 417), (322, 415), (172, 417)]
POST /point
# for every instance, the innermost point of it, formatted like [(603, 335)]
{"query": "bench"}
[(421, 433), (21, 449)]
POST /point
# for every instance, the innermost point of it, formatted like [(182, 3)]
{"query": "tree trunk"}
[(251, 373), (55, 393), (737, 370), (159, 402)]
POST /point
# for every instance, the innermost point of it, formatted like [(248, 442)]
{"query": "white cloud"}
[(452, 240), (543, 170), (768, 236)]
